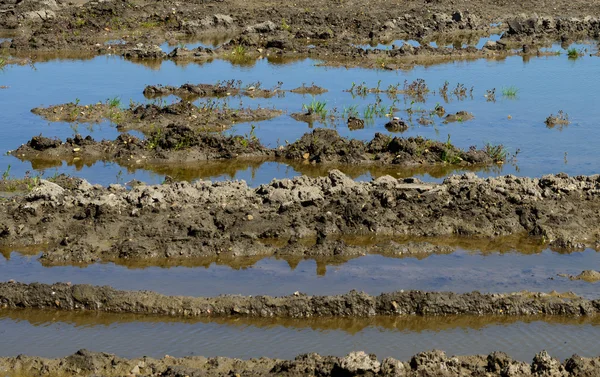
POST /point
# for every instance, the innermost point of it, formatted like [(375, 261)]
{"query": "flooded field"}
[(242, 188), (516, 122)]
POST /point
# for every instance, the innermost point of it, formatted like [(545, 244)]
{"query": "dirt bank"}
[(329, 31), (300, 216), (430, 363), (64, 296), (181, 144)]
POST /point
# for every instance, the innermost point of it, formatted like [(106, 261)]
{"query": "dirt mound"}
[(176, 143), (182, 220), (180, 143), (326, 146), (428, 363), (208, 116)]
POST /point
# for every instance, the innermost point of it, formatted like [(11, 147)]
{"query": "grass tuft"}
[(510, 91)]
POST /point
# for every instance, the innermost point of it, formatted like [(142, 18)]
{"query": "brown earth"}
[(301, 216), (209, 116), (430, 363), (64, 296), (180, 144), (225, 89), (328, 31)]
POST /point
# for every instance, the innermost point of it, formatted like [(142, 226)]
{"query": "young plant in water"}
[(572, 53), (496, 152), (239, 51), (510, 91), (114, 102), (6, 173), (351, 111), (316, 107)]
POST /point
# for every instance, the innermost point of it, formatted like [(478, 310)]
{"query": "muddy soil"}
[(226, 89), (64, 296), (178, 143), (300, 216), (430, 363), (326, 31), (208, 116)]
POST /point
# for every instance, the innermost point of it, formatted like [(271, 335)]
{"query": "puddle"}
[(459, 272), (389, 46), (57, 334), (207, 41), (540, 81), (471, 40), (115, 42), (583, 47)]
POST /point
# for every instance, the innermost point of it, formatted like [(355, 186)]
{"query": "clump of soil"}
[(590, 276), (355, 123), (312, 89), (326, 146), (561, 119), (396, 125), (175, 143), (209, 116), (460, 116), (225, 89)]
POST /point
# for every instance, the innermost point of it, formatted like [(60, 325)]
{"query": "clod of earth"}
[(460, 116), (590, 276)]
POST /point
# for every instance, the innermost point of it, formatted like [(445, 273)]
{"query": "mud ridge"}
[(179, 143), (208, 116), (226, 89), (182, 220), (428, 363), (64, 296)]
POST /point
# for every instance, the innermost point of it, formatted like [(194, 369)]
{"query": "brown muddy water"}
[(57, 334), (544, 86), (461, 271)]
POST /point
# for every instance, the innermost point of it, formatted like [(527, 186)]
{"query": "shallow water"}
[(543, 90), (44, 333), (460, 271)]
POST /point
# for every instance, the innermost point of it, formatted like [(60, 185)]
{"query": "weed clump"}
[(510, 91)]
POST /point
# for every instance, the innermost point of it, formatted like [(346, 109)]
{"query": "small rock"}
[(250, 217)]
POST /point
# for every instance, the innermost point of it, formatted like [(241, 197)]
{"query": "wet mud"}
[(208, 116), (323, 31), (356, 363), (300, 216), (226, 89), (181, 144), (64, 296)]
